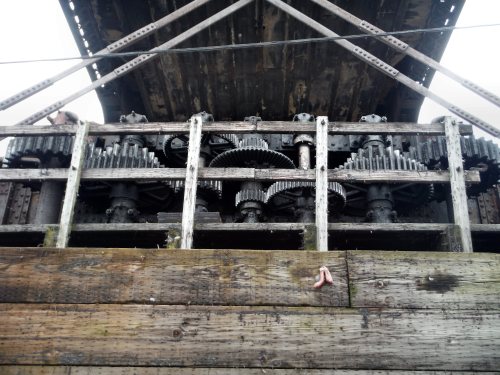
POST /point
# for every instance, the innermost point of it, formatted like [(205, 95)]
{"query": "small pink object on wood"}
[(324, 277)]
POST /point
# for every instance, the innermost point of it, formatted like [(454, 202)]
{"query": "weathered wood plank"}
[(191, 182), (267, 337), (457, 184), (237, 174), (424, 280), (321, 186), (238, 127), (170, 277), (226, 227), (72, 186), (99, 370)]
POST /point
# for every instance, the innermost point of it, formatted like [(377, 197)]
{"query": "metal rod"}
[(304, 156), (137, 62), (385, 68), (404, 48), (113, 47)]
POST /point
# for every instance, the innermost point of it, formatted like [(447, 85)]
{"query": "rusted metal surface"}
[(274, 83)]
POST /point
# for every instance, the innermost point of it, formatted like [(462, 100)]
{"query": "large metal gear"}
[(153, 195), (282, 194), (39, 147), (175, 147), (252, 153), (378, 158), (120, 156), (250, 195), (208, 189), (479, 154)]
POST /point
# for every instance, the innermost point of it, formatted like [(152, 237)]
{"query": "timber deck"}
[(157, 311)]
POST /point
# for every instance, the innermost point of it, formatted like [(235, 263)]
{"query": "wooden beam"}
[(424, 280), (236, 127), (238, 174), (72, 185), (254, 227), (100, 370), (321, 170), (198, 277), (261, 337), (457, 182), (191, 182)]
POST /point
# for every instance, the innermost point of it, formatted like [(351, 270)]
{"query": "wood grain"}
[(457, 184), (237, 174), (267, 337), (424, 280), (321, 185), (72, 186), (191, 182), (100, 370), (239, 127), (170, 277)]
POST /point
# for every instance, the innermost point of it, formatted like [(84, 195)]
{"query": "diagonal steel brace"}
[(404, 48), (385, 68), (113, 47), (137, 62)]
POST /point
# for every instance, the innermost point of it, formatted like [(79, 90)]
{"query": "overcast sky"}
[(37, 29)]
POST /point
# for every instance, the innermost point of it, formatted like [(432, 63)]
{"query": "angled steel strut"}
[(385, 68), (113, 47), (137, 62), (404, 48)]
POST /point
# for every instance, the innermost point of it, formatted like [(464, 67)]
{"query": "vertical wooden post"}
[(72, 185), (457, 183), (322, 183), (191, 182)]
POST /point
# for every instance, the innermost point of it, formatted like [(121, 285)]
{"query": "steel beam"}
[(404, 48), (137, 62), (385, 68), (113, 47)]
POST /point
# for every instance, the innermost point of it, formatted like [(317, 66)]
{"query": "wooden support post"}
[(191, 182), (322, 183), (457, 184), (72, 185)]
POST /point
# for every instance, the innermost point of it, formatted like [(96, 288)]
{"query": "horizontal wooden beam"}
[(237, 174), (424, 280), (200, 277), (259, 337), (100, 370), (236, 127), (418, 280), (252, 227)]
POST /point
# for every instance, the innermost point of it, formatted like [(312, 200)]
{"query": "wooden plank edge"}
[(275, 227), (237, 127), (238, 174), (135, 370)]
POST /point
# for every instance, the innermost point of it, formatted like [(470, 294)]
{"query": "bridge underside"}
[(273, 82)]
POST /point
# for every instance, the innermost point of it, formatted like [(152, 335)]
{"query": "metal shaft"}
[(304, 156), (137, 62), (51, 197), (385, 68), (113, 47), (404, 48)]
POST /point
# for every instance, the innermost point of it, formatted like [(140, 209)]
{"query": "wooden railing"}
[(456, 175)]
